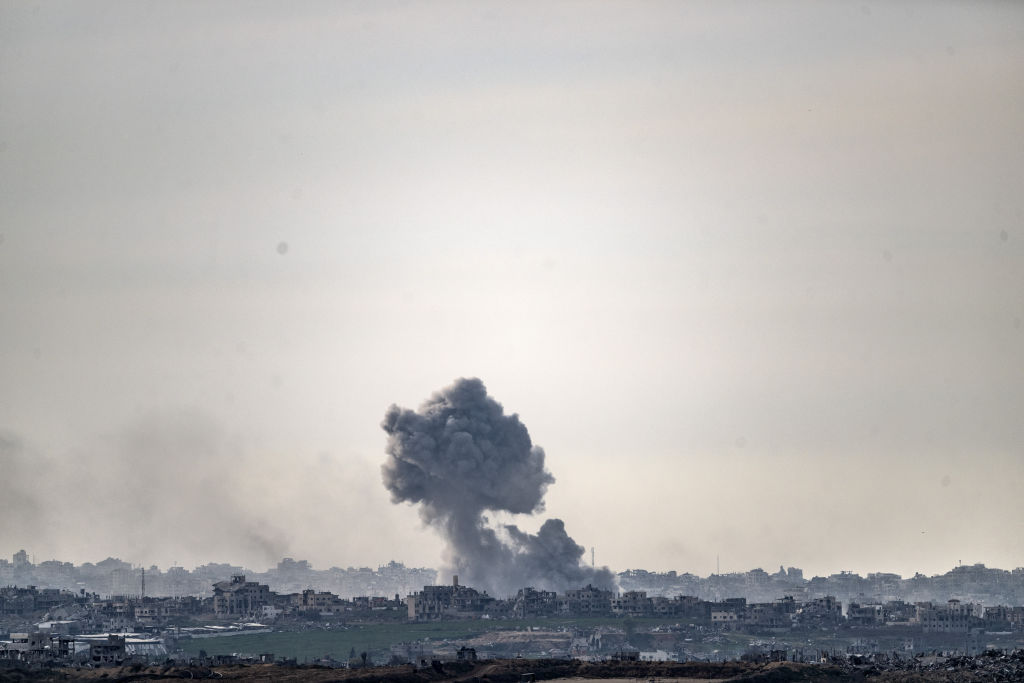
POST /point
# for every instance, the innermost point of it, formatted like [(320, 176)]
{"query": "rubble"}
[(992, 665)]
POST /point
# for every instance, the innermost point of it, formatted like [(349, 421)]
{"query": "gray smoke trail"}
[(459, 456), (172, 483)]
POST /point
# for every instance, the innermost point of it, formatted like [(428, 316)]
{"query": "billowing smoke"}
[(459, 456)]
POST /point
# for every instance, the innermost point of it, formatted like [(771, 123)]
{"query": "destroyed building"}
[(239, 597), (436, 602)]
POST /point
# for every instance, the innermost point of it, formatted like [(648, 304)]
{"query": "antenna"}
[(143, 583), (592, 565)]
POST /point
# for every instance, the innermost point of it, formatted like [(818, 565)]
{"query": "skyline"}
[(751, 276), (446, 579)]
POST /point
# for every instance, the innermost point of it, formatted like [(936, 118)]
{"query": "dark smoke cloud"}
[(460, 456)]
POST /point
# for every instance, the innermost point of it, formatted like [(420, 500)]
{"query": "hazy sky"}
[(752, 274)]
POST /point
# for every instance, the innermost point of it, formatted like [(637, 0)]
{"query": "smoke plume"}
[(460, 456), (167, 485)]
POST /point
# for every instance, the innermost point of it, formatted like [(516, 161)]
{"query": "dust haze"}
[(172, 486)]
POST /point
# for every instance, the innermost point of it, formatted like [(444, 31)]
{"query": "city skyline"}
[(751, 276), (306, 565)]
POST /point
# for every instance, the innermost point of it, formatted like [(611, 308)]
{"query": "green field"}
[(372, 638), (375, 639)]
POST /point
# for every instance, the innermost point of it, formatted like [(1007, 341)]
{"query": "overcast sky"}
[(752, 274)]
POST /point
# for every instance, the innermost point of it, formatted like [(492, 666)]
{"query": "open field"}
[(304, 645), (375, 639)]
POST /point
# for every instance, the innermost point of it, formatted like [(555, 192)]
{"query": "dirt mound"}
[(997, 667)]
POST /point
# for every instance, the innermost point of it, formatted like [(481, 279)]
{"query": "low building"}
[(26, 647), (109, 652), (655, 656)]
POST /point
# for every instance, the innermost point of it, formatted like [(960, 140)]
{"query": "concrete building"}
[(108, 652), (654, 656), (824, 611), (322, 602), (727, 620), (26, 647), (436, 602), (239, 598), (586, 601), (633, 604), (865, 615), (953, 617), (21, 560), (530, 602)]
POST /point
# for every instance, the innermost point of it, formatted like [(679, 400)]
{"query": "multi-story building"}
[(435, 602), (633, 604), (21, 560), (239, 597), (727, 620), (899, 612), (865, 615), (825, 611), (586, 601), (953, 617), (323, 602), (530, 602)]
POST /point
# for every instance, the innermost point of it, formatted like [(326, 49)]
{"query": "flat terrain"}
[(496, 671), (1003, 668), (506, 638), (339, 642)]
